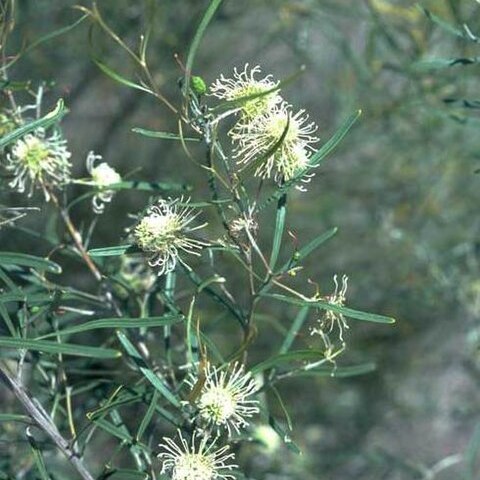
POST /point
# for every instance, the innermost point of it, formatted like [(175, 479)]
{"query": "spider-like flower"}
[(285, 140), (243, 85), (197, 460), (163, 233), (38, 159), (224, 398), (246, 222), (103, 175), (331, 319)]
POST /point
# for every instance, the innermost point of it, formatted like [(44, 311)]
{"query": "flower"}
[(197, 461), (282, 138), (244, 223), (224, 398), (244, 85), (103, 175), (327, 322), (163, 233), (39, 159)]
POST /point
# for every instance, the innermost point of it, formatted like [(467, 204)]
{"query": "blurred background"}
[(402, 189)]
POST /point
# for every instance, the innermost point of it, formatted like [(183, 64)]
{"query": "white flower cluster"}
[(103, 176), (268, 133), (163, 233), (223, 402), (329, 320), (38, 159)]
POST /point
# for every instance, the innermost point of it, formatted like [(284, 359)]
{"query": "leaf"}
[(151, 186), (117, 322), (163, 135), (117, 77), (37, 456), (287, 439), (439, 63), (334, 141), (442, 23), (308, 249), (279, 228), (337, 372), (113, 430), (124, 474), (47, 120), (348, 312), (155, 380), (294, 329), (471, 455), (294, 356), (55, 347), (109, 251), (24, 260), (14, 417), (192, 52), (148, 415)]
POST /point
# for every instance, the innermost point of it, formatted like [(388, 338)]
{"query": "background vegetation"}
[(402, 189)]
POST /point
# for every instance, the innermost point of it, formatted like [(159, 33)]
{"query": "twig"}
[(43, 421)]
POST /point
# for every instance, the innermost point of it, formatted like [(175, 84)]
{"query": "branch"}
[(44, 422)]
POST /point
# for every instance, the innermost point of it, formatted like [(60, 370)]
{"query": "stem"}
[(44, 422)]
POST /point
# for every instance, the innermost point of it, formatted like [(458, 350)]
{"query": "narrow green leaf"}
[(151, 186), (37, 456), (125, 474), (348, 312), (281, 359), (24, 260), (439, 63), (55, 347), (334, 141), (117, 322), (287, 439), (308, 249), (113, 430), (163, 135), (148, 415), (155, 380), (51, 35), (337, 372), (294, 329), (279, 228), (14, 417), (44, 122), (471, 455), (117, 77), (442, 23), (109, 251), (7, 319), (192, 52)]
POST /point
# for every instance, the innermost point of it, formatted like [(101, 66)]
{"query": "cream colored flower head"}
[(245, 84), (103, 175), (163, 233), (285, 139), (225, 399), (196, 460), (329, 320), (38, 160)]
